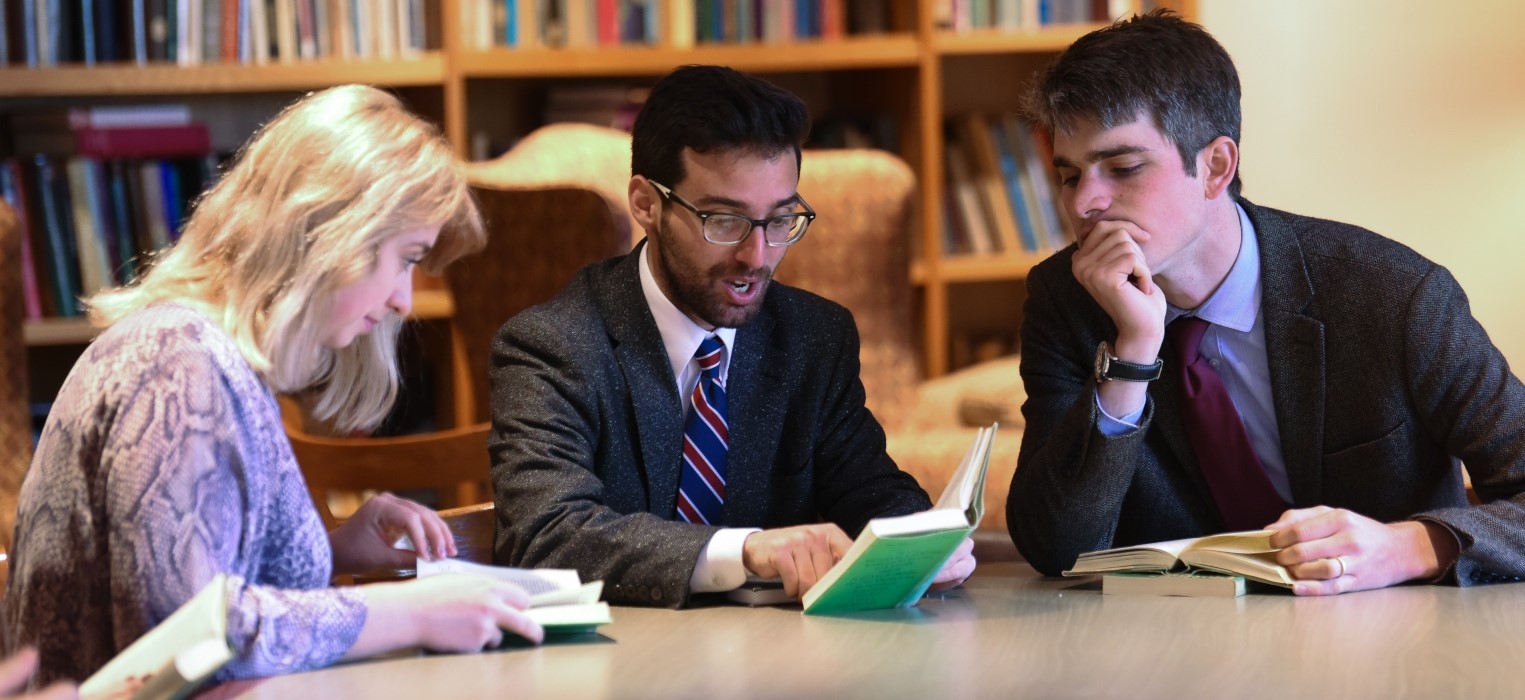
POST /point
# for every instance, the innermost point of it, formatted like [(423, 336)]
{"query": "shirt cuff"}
[(1117, 427), (719, 567)]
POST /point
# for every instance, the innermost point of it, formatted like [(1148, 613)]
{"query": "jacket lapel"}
[(653, 390), (1294, 354), (756, 405)]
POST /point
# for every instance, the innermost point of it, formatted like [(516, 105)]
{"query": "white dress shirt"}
[(719, 567)]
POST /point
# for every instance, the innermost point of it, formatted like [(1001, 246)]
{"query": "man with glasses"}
[(672, 421)]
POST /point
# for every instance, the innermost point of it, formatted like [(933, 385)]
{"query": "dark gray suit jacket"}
[(1380, 376), (587, 434)]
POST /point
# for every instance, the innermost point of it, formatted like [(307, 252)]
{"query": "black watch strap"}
[(1108, 367)]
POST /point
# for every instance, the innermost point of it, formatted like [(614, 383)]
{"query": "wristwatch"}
[(1108, 367)]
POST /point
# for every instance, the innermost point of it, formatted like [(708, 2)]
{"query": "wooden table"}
[(1007, 633)]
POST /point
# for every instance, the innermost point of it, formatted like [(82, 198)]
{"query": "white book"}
[(559, 601), (174, 657)]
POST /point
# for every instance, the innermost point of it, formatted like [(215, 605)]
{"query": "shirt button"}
[(1214, 363), (656, 594)]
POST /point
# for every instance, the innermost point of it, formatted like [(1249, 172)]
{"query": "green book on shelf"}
[(894, 560)]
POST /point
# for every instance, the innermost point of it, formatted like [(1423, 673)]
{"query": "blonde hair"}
[(301, 214)]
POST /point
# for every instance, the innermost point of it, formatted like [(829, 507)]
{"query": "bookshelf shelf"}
[(890, 51), (166, 79), (920, 76)]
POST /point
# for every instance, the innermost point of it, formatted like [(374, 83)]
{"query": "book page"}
[(1260, 566), (533, 581), (965, 491), (200, 626), (888, 572), (1247, 542)]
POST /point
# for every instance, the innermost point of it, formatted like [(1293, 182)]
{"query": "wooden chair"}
[(15, 418), (473, 528), (545, 221)]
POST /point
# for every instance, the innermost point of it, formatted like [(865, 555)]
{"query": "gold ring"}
[(1341, 562)]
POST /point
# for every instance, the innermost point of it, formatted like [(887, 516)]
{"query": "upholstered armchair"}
[(15, 421), (857, 253)]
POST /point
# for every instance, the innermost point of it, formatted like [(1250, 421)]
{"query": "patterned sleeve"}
[(197, 491)]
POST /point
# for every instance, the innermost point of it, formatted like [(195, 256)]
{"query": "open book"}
[(559, 601), (173, 657), (1247, 554), (894, 560)]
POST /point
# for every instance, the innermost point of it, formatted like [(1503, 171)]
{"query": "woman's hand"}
[(364, 542)]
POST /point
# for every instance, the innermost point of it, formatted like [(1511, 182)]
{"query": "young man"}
[(673, 420), (1197, 363)]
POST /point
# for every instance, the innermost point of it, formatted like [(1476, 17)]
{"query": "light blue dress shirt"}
[(1235, 346)]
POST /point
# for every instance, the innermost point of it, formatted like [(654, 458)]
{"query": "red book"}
[(31, 294), (833, 19), (144, 142), (608, 22), (229, 37)]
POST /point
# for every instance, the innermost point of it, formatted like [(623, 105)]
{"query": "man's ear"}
[(645, 204), (1219, 162)]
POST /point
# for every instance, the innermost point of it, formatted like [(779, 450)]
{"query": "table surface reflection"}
[(1007, 632)]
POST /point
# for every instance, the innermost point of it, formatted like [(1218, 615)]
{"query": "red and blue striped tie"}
[(701, 488)]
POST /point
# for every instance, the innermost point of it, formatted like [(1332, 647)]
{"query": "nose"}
[(753, 251), (1090, 199), (401, 299)]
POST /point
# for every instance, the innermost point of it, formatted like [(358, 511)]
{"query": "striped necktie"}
[(706, 436)]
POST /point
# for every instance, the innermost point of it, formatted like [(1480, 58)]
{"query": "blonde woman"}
[(164, 463)]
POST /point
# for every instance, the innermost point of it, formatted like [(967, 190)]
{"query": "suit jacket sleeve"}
[(1067, 494), (1462, 386), (550, 416)]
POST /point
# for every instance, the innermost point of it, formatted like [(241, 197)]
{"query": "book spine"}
[(119, 213), (10, 185)]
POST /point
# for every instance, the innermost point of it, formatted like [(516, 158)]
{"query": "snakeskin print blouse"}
[(162, 464)]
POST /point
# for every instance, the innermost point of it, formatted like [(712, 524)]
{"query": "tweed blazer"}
[(588, 429), (1381, 380)]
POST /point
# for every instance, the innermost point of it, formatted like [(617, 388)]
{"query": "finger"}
[(512, 595), (415, 527), (61, 690), (787, 573), (1321, 569), (821, 561), (1303, 526), (1327, 587), (838, 542), (438, 532), (518, 623), (17, 669)]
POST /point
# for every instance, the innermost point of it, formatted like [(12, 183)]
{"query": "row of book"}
[(1000, 189), (46, 33), (97, 190), (529, 24), (967, 15)]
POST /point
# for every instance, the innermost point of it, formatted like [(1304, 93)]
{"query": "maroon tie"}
[(1244, 493)]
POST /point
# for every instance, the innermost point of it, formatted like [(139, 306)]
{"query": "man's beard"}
[(697, 293)]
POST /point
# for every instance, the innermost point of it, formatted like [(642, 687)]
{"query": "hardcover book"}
[(1247, 554), (894, 560)]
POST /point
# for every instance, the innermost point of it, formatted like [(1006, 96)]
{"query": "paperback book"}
[(893, 561), (559, 601)]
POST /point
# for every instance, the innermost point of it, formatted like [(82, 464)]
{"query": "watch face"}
[(1100, 366)]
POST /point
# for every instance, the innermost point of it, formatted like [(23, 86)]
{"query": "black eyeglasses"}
[(727, 228)]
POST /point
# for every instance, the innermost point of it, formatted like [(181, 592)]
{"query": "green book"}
[(894, 560)]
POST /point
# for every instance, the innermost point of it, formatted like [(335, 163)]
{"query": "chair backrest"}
[(553, 204), (472, 528), (857, 253), (15, 418)]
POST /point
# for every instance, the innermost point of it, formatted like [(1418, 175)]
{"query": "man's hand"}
[(364, 542), (799, 556), (957, 569), (1110, 265), (1333, 550)]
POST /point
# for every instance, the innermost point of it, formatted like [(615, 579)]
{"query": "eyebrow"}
[(1100, 155), (735, 204)]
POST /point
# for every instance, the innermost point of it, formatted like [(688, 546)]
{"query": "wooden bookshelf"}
[(919, 72)]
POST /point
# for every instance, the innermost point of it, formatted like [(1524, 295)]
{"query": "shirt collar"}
[(1236, 302), (680, 335)]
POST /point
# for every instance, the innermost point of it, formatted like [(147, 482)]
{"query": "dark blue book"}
[(169, 180), (120, 216), (53, 191), (88, 10)]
